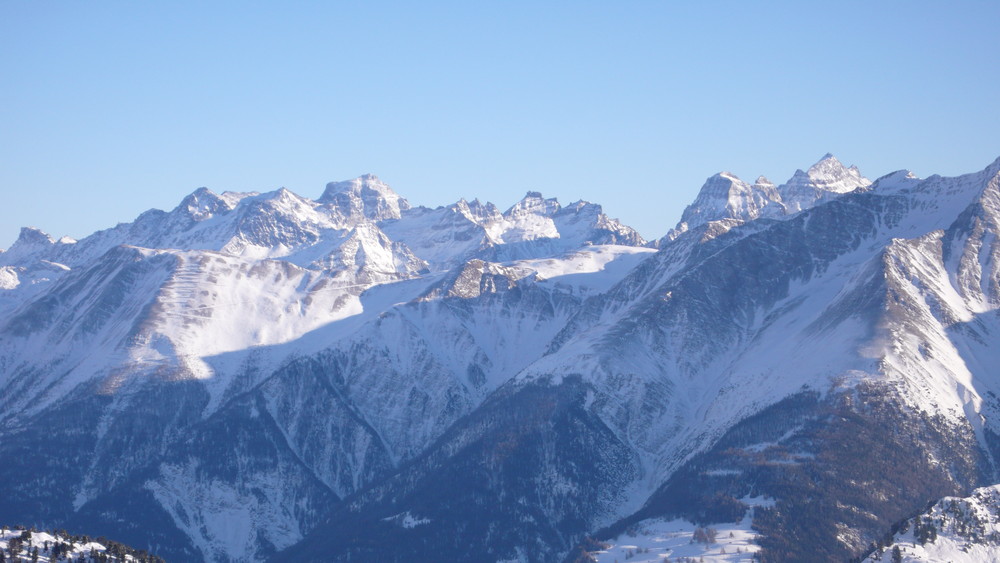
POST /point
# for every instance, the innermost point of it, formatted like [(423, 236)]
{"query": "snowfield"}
[(653, 541)]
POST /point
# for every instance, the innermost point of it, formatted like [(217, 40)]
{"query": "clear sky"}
[(110, 108)]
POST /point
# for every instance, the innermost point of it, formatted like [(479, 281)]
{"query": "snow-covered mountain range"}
[(254, 376)]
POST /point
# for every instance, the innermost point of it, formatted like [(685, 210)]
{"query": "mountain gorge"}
[(255, 377)]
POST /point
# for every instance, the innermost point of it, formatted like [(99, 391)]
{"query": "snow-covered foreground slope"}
[(254, 376), (45, 547), (954, 529)]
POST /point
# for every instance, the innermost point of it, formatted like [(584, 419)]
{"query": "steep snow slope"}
[(573, 272)]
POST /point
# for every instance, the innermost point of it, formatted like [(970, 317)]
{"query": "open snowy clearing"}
[(652, 541)]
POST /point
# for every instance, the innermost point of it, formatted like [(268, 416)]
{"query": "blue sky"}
[(111, 108)]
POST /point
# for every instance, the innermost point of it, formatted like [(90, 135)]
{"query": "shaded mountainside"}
[(264, 376), (478, 492)]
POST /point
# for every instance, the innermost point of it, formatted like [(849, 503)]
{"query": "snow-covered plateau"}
[(253, 377)]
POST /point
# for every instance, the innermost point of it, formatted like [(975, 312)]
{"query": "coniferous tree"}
[(14, 547)]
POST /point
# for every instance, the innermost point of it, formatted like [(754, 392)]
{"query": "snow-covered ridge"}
[(289, 264), (281, 224)]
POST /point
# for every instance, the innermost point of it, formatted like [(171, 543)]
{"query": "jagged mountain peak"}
[(366, 196), (284, 195), (373, 256), (824, 180), (895, 181), (719, 188), (725, 197), (30, 244), (202, 192), (831, 175), (203, 204), (722, 180), (369, 180), (33, 236), (476, 207), (992, 171), (534, 203), (581, 205)]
